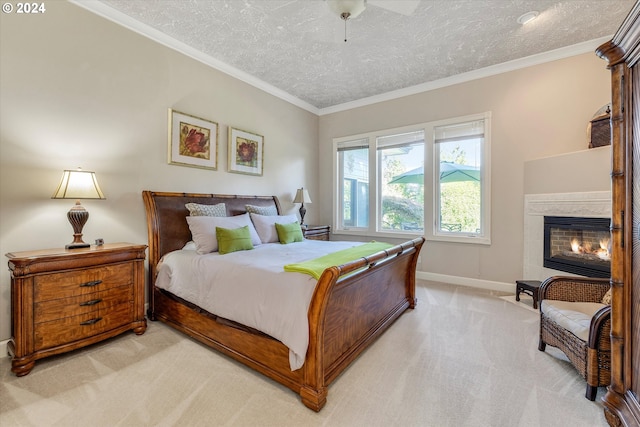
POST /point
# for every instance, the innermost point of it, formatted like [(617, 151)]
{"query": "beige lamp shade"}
[(78, 184), (302, 196)]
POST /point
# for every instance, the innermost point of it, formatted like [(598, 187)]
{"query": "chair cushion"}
[(572, 316)]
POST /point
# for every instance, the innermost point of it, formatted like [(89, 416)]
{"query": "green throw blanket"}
[(315, 267)]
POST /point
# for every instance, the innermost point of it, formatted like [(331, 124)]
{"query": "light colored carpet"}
[(525, 302), (463, 357)]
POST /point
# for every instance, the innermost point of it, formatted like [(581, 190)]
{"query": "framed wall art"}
[(192, 141), (246, 150)]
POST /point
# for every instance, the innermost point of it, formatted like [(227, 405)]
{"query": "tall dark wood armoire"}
[(622, 407)]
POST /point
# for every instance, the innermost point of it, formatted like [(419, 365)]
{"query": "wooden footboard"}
[(349, 311), (351, 306)]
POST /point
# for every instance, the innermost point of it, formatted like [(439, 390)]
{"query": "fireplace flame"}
[(575, 246), (603, 252)]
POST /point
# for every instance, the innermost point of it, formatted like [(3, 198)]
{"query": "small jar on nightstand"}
[(316, 232)]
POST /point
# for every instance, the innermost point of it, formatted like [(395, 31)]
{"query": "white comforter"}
[(251, 287)]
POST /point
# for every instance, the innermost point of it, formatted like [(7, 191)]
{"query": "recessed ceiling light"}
[(528, 17)]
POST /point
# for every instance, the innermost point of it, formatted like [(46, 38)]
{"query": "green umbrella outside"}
[(449, 172)]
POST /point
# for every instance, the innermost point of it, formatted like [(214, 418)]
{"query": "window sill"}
[(473, 240), (379, 234), (470, 239)]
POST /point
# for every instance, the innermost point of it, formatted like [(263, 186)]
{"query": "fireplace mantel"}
[(596, 204)]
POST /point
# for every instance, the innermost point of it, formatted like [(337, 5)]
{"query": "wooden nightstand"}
[(64, 299), (316, 232)]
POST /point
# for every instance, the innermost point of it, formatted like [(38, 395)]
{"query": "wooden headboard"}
[(166, 218)]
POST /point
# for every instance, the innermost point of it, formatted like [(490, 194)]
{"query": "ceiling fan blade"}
[(404, 7)]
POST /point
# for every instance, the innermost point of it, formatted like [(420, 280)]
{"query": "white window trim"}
[(374, 191), (337, 188), (442, 236), (374, 215)]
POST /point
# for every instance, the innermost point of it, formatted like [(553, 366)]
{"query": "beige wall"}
[(78, 90), (540, 111), (580, 171)]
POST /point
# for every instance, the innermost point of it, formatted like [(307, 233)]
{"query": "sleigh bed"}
[(351, 304)]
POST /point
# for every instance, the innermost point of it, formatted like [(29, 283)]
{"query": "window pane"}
[(401, 168), (354, 171), (348, 191), (459, 202)]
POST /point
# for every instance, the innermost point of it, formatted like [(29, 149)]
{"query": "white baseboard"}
[(467, 281), (3, 345)]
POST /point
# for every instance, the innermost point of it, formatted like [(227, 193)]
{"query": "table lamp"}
[(78, 185), (302, 196)]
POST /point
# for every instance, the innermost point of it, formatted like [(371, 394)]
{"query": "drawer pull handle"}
[(92, 302), (89, 284), (91, 321)]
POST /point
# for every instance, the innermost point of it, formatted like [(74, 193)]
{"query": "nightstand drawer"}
[(76, 283), (83, 304), (69, 329), (317, 232)]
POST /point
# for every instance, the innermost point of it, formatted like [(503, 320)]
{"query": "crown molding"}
[(136, 26), (107, 12), (540, 58)]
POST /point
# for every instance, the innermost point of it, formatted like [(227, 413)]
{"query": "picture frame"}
[(193, 141), (246, 152)]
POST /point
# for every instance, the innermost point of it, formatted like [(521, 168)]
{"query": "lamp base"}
[(303, 211), (77, 216), (77, 245)]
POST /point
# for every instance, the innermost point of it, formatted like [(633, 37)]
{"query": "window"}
[(353, 167), (430, 179), (401, 167), (460, 183)]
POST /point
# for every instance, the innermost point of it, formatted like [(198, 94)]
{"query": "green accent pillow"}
[(289, 233), (233, 239)]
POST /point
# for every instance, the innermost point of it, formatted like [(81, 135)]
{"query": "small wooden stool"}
[(529, 287)]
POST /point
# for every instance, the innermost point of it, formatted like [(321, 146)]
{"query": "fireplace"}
[(578, 245)]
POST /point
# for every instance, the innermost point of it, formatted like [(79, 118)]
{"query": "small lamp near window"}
[(302, 196), (78, 185)]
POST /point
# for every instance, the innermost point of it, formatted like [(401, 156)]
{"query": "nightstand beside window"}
[(316, 232)]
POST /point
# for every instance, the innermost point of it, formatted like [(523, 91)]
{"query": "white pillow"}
[(203, 230), (189, 246), (266, 225)]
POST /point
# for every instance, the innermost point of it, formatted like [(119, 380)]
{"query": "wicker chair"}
[(591, 354)]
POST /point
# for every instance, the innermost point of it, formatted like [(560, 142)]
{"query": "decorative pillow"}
[(266, 228), (233, 240), (196, 209), (262, 210), (289, 233), (606, 299), (203, 230)]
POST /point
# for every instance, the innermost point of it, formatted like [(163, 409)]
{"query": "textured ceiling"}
[(298, 46)]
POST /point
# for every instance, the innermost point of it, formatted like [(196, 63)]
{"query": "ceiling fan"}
[(356, 7), (349, 9)]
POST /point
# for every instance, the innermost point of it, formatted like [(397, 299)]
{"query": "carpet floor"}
[(463, 357)]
